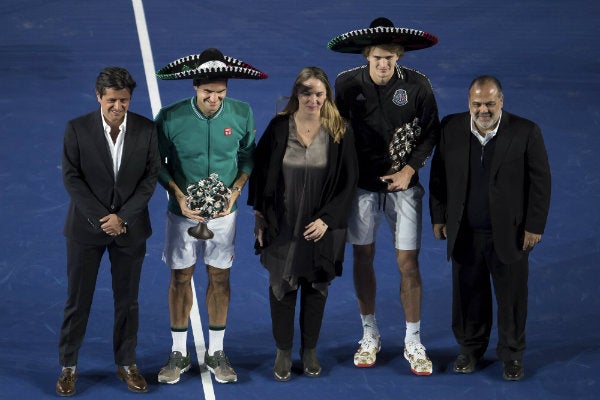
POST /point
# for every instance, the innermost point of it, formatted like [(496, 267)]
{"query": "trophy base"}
[(201, 231)]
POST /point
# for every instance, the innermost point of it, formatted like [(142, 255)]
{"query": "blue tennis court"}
[(546, 53)]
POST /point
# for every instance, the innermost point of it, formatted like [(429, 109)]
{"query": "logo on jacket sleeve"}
[(227, 131), (400, 97)]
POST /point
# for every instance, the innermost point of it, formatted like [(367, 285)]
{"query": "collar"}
[(399, 72), (106, 127), (489, 136), (200, 114)]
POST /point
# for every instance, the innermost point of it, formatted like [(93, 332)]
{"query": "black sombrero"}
[(210, 65), (381, 31)]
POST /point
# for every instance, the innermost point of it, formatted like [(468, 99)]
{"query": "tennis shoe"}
[(366, 354), (175, 366), (420, 364), (219, 365)]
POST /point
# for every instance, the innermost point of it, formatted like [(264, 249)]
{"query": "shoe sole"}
[(284, 378), (137, 390), (420, 373), (364, 365), (468, 370), (517, 378), (312, 374), (464, 371), (178, 378)]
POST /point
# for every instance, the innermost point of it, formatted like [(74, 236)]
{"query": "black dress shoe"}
[(513, 370), (65, 386), (465, 364)]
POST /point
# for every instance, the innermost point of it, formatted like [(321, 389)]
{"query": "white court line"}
[(209, 393), (198, 336), (140, 21)]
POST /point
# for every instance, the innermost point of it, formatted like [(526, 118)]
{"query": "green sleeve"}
[(247, 146)]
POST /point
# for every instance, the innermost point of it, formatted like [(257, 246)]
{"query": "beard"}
[(485, 121)]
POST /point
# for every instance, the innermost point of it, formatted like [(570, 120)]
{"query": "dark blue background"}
[(546, 54)]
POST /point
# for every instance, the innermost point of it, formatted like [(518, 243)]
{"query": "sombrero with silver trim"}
[(210, 65), (381, 31)]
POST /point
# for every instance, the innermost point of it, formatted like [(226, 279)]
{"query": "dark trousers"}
[(312, 307), (83, 262), (474, 260)]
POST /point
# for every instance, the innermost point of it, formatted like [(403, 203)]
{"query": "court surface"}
[(545, 52)]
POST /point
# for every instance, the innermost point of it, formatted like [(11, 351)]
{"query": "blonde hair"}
[(331, 119), (391, 47)]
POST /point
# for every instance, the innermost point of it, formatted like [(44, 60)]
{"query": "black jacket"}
[(89, 179), (519, 185), (266, 191), (375, 112)]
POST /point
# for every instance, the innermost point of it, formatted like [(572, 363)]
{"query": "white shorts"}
[(403, 211), (182, 250)]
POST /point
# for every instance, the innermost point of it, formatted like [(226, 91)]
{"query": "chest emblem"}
[(400, 97), (227, 131)]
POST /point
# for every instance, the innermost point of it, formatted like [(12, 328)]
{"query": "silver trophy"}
[(211, 197), (402, 143)]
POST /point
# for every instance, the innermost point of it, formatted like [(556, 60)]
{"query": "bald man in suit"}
[(490, 196)]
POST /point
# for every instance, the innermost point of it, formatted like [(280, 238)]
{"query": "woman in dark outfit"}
[(301, 189)]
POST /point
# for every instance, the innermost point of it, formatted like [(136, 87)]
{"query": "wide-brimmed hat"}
[(210, 65), (381, 31)]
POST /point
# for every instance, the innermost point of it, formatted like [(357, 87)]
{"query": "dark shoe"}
[(175, 366), (282, 370), (65, 386), (310, 363), (513, 370), (135, 381), (465, 364), (219, 365)]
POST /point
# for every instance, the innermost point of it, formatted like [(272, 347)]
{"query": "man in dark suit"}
[(489, 195), (110, 167)]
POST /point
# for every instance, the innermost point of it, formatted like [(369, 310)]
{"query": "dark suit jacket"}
[(89, 179), (519, 187)]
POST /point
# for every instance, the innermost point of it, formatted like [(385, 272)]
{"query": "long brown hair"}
[(331, 119)]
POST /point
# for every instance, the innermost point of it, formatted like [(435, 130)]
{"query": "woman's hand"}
[(315, 230), (260, 225)]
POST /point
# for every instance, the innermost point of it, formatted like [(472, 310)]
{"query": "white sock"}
[(369, 324), (413, 332), (215, 340), (179, 342)]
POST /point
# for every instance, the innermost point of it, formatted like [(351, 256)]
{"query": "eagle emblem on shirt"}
[(400, 97)]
